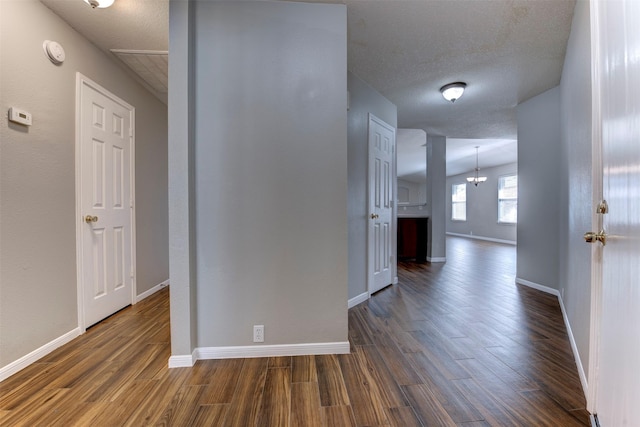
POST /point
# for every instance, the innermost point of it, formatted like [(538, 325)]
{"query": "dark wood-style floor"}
[(455, 344)]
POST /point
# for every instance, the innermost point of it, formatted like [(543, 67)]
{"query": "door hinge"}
[(602, 207)]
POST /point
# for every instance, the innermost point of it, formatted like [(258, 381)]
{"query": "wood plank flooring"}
[(454, 344)]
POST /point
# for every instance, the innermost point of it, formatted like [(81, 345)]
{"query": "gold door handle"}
[(375, 216), (592, 237), (89, 219)]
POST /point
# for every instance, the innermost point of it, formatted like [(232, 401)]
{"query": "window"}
[(459, 202), (508, 199)]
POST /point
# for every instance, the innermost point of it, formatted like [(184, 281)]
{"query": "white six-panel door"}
[(105, 202), (615, 361), (382, 139)]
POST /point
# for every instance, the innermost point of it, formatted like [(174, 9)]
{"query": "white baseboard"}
[(574, 346), (437, 259), (539, 287), (152, 291), (272, 350), (488, 239), (183, 361), (358, 299), (395, 281), (35, 355), (250, 351)]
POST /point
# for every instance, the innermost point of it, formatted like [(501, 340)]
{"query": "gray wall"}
[(436, 197), (270, 139), (182, 248), (482, 206), (419, 193), (576, 189), (38, 301), (415, 191), (555, 185), (539, 150), (363, 99)]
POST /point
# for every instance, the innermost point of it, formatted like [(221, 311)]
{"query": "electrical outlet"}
[(258, 333)]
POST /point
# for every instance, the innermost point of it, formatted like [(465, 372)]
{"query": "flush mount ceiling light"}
[(475, 180), (452, 91), (99, 3)]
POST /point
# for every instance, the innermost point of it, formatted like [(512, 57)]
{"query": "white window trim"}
[(499, 199), (465, 203)]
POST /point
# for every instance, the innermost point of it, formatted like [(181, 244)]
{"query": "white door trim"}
[(596, 220), (81, 81), (370, 208)]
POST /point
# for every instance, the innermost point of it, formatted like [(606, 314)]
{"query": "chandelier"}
[(475, 180)]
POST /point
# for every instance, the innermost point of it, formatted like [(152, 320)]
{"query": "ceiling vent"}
[(151, 65)]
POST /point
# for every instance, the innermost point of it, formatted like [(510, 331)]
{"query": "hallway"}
[(486, 351), (454, 344)]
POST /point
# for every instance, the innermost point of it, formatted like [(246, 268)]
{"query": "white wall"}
[(270, 140), (38, 301), (363, 99), (576, 188), (539, 152), (482, 206)]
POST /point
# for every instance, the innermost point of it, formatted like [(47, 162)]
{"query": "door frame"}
[(82, 80), (394, 227)]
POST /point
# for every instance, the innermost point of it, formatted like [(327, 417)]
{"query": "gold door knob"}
[(89, 219), (375, 216), (592, 237)]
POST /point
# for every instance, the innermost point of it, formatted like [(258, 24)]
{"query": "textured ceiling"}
[(507, 51), (134, 25), (461, 154), (128, 24)]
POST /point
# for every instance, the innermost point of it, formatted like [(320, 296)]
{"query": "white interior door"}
[(615, 371), (382, 141), (105, 202)]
